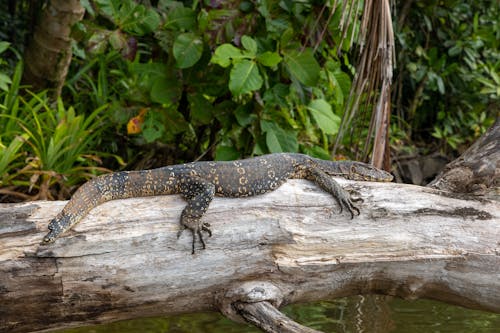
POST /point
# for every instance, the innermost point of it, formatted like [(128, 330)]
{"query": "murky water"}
[(359, 314)]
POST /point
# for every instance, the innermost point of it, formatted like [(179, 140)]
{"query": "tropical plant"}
[(59, 142), (11, 141), (229, 80), (448, 82), (43, 148)]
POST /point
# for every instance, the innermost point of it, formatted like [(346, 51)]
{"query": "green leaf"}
[(287, 36), (277, 139), (165, 90), (149, 22), (200, 109), (203, 21), (188, 49), (244, 78), (318, 152), (117, 40), (89, 9), (277, 95), (226, 153), (455, 50), (181, 18), (322, 113), (108, 8), (249, 44), (303, 66), (344, 81), (244, 115), (225, 54), (9, 154), (130, 16), (440, 84), (4, 46), (4, 82), (269, 59), (152, 129), (174, 121)]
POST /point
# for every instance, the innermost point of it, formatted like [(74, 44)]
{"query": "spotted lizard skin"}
[(199, 182)]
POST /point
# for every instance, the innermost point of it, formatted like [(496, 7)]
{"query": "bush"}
[(229, 81), (448, 71), (45, 149)]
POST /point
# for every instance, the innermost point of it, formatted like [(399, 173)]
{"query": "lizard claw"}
[(206, 227), (198, 231), (196, 227), (346, 202), (353, 209)]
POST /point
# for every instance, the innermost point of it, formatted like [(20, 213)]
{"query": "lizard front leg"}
[(329, 184), (198, 194)]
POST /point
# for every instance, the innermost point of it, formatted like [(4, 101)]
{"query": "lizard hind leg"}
[(198, 194)]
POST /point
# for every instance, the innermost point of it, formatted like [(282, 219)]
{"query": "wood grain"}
[(124, 259)]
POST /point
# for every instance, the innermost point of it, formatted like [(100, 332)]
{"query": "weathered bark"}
[(48, 54), (124, 259), (269, 319), (477, 170)]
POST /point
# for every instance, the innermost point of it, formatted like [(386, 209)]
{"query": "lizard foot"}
[(196, 227), (346, 202)]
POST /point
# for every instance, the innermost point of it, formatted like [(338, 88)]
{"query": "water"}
[(358, 314)]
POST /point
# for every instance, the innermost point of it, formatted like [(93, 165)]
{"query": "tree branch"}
[(124, 259), (477, 170), (269, 319)]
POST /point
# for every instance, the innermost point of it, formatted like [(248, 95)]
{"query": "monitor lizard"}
[(199, 182)]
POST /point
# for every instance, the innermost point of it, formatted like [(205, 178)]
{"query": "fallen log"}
[(124, 259), (477, 170)]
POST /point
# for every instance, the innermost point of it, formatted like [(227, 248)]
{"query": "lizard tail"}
[(119, 185)]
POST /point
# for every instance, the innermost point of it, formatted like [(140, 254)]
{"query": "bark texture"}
[(48, 54), (124, 259), (477, 170)]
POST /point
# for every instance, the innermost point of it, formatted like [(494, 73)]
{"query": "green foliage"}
[(180, 80), (449, 64), (128, 15), (245, 77), (43, 147), (230, 80), (303, 66), (58, 138), (323, 115), (4, 78), (187, 49)]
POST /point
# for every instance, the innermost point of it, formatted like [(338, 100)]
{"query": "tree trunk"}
[(124, 259), (477, 170), (48, 54)]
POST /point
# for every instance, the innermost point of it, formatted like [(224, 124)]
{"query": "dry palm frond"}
[(372, 83)]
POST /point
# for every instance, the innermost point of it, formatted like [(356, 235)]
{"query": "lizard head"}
[(366, 172), (355, 171), (56, 227)]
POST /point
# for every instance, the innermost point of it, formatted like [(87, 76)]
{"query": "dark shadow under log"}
[(124, 259)]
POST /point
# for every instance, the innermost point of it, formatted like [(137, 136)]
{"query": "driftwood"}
[(477, 170), (124, 259)]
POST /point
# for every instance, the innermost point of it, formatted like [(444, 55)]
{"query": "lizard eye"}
[(352, 172)]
